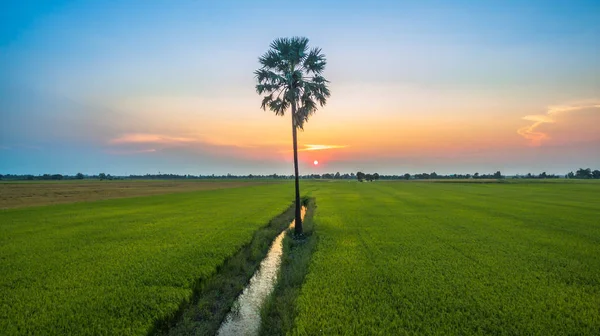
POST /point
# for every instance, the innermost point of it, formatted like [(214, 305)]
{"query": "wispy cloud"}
[(137, 143), (321, 147), (537, 137), (144, 138), (140, 143)]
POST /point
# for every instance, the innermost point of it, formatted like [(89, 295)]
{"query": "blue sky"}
[(145, 86)]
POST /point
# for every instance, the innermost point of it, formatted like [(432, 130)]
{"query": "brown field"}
[(24, 194)]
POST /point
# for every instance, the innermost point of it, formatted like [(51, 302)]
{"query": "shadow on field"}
[(214, 296)]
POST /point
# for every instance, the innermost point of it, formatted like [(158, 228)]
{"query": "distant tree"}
[(543, 175), (1, 176), (376, 176), (583, 173), (102, 176), (407, 176), (498, 175), (337, 175), (529, 175), (570, 175), (476, 175), (360, 176), (596, 174), (290, 78), (79, 176)]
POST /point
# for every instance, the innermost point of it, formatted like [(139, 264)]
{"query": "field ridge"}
[(214, 296), (279, 310)]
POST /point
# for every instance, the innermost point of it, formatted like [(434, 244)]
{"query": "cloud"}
[(144, 138), (171, 141), (308, 148), (320, 147), (139, 143), (536, 136)]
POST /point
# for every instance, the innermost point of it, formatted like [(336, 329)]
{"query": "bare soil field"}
[(24, 194)]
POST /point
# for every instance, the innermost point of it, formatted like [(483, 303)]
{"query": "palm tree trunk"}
[(298, 223)]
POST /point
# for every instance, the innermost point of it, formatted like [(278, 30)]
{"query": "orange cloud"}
[(141, 138), (309, 148), (536, 136), (321, 147), (137, 143)]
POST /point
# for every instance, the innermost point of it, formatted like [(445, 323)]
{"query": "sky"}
[(136, 87)]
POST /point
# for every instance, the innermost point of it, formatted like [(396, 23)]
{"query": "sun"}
[(316, 162)]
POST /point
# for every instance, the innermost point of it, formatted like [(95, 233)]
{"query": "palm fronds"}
[(291, 75)]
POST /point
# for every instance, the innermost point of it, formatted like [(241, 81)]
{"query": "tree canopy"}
[(291, 76)]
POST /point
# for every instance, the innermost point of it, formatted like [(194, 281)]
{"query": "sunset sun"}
[(316, 162)]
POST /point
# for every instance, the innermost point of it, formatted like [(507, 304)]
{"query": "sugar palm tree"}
[(291, 78)]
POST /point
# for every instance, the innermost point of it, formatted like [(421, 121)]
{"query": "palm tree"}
[(291, 77)]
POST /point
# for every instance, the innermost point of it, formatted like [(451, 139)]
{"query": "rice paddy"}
[(382, 258), (117, 266), (441, 258)]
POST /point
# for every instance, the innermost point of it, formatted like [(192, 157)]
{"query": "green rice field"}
[(115, 266), (391, 258), (453, 258)]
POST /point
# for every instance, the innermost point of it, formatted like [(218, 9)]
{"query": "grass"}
[(452, 258), (117, 266)]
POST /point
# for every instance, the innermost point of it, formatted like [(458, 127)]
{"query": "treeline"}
[(539, 176), (584, 174), (44, 177), (426, 176), (367, 177), (581, 173)]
